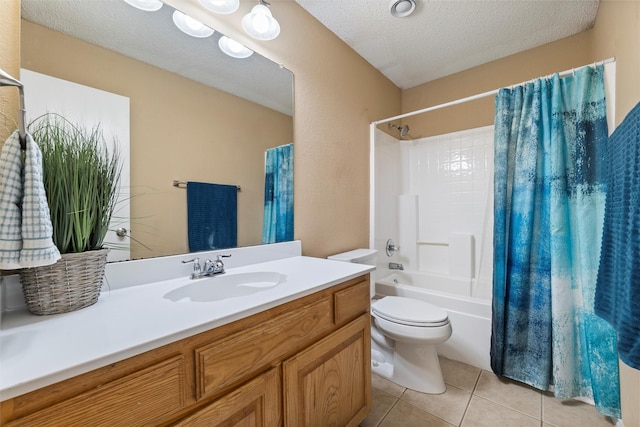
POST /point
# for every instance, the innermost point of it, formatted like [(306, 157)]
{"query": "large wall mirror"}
[(196, 114)]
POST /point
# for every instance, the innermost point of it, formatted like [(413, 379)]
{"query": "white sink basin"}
[(224, 286)]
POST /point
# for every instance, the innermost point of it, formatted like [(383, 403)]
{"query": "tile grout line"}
[(473, 391), (386, 414), (427, 412), (488, 399)]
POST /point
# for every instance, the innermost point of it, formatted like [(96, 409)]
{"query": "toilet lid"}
[(409, 311)]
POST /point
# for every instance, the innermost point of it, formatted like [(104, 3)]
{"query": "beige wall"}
[(180, 130), (616, 34), (558, 56), (10, 63)]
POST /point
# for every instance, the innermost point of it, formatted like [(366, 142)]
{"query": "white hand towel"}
[(10, 203), (37, 245)]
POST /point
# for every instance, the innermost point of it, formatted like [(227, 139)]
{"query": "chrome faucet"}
[(211, 268), (396, 266)]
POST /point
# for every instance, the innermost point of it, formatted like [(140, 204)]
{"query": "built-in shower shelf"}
[(422, 242)]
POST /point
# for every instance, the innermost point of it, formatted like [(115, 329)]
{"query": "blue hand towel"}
[(212, 211), (10, 204), (617, 298)]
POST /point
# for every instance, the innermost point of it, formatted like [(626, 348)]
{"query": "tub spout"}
[(396, 266)]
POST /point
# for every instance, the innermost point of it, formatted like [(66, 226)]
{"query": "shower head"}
[(404, 130)]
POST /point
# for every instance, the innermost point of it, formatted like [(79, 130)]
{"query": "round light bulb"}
[(146, 5), (191, 26), (224, 7), (260, 24), (192, 23), (233, 48)]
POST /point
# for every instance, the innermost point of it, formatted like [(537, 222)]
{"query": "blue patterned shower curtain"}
[(550, 139), (278, 195)]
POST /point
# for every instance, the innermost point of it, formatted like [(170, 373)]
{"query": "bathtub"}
[(470, 317)]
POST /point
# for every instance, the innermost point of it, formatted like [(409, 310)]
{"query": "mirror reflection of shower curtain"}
[(278, 195)]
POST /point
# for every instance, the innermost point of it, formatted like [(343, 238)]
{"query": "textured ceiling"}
[(443, 37), (152, 38)]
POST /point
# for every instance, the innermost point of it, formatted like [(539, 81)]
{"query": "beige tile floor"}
[(476, 398)]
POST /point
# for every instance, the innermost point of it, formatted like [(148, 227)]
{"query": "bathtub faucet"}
[(396, 266)]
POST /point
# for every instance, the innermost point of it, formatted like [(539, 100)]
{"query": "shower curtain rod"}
[(479, 96)]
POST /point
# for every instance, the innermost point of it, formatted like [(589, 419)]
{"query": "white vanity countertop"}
[(36, 351)]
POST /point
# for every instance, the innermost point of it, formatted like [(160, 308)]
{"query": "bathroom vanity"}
[(297, 354)]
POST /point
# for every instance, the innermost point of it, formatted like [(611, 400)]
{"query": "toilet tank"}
[(360, 256)]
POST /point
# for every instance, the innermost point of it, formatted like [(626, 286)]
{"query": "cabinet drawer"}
[(256, 403), (143, 398), (352, 302), (229, 360)]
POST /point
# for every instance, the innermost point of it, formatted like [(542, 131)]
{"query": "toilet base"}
[(409, 365), (380, 366)]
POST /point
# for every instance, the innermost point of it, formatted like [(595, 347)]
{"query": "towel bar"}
[(183, 184)]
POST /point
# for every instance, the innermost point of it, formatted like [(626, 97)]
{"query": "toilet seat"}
[(410, 312)]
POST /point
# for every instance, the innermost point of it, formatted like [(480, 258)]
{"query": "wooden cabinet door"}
[(329, 383), (254, 404)]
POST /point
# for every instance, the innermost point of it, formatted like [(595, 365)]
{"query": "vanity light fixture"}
[(147, 5), (223, 7), (402, 8), (233, 48), (191, 26), (260, 23)]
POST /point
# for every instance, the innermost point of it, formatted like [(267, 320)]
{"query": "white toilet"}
[(404, 335)]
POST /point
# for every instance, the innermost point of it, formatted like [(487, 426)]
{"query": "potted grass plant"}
[(81, 175)]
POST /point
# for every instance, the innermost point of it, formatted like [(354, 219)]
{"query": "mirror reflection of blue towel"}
[(212, 211)]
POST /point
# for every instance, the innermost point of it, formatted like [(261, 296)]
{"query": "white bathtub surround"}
[(408, 228), (36, 351), (470, 317), (388, 186), (450, 176), (461, 255)]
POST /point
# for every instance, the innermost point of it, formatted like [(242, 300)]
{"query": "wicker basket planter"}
[(72, 283)]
